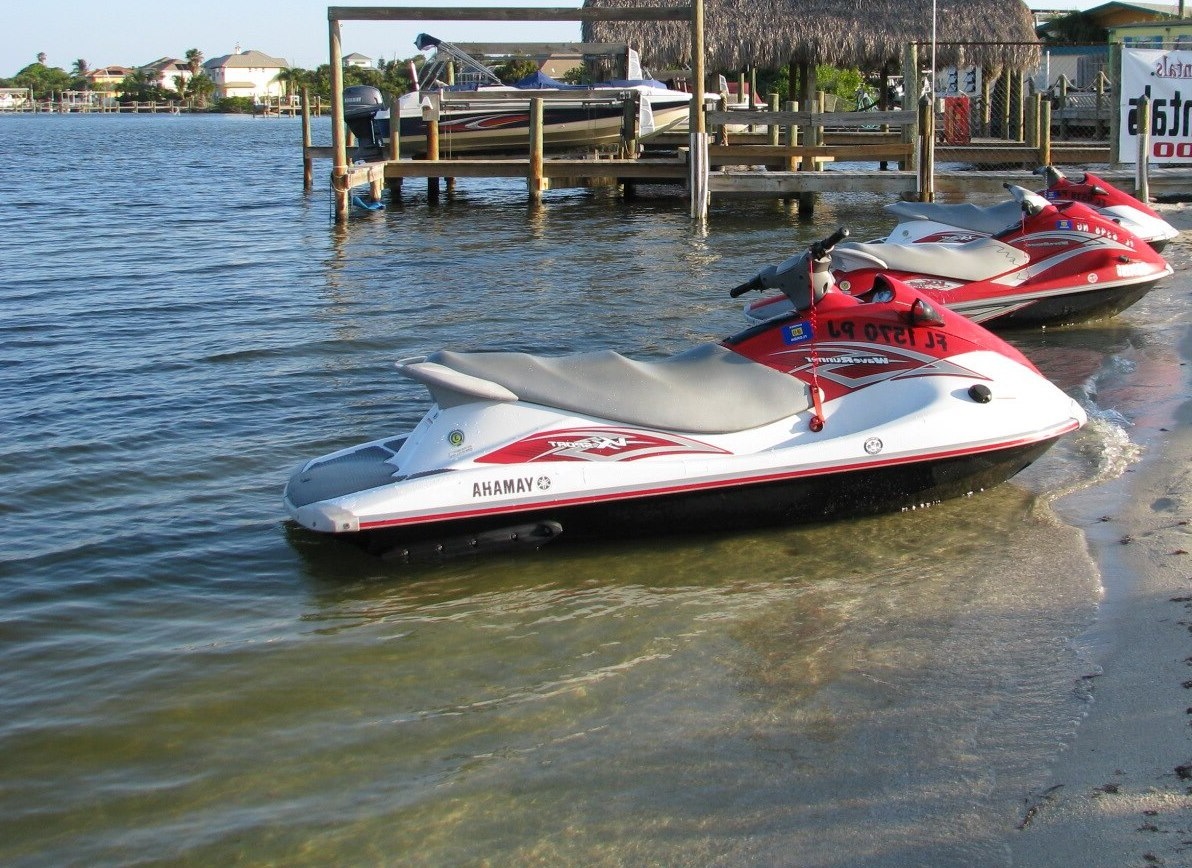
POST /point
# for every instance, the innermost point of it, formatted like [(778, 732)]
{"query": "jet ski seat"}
[(988, 219), (708, 389), (980, 259)]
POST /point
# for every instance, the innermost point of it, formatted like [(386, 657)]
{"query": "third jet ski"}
[(1056, 263), (919, 218)]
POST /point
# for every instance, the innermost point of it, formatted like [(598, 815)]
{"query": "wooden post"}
[(910, 90), (772, 129), (339, 147), (697, 67), (792, 136), (1097, 126), (1044, 132), (1063, 105), (1018, 80), (1032, 119), (536, 181), (394, 184), (1115, 102), (432, 154), (394, 127), (927, 148), (986, 104), (1142, 181), (308, 163), (812, 137), (697, 166), (1007, 95), (630, 116)]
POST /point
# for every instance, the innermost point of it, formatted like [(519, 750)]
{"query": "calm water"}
[(183, 681)]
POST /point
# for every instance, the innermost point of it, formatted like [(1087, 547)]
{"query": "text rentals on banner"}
[(1165, 77)]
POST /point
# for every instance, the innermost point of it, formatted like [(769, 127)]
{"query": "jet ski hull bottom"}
[(1065, 308), (802, 499)]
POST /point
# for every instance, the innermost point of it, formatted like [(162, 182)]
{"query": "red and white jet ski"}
[(918, 219), (848, 406), (1056, 263)]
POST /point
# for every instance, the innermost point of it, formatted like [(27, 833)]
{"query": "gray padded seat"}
[(706, 390), (973, 260), (988, 220)]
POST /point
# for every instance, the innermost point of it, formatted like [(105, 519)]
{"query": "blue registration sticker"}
[(1063, 224), (797, 333)]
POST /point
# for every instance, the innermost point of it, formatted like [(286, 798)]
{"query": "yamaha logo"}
[(873, 445)]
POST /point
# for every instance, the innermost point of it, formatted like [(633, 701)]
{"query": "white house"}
[(247, 73), (357, 59), (164, 70)]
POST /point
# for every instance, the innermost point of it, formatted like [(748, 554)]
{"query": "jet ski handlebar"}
[(787, 277), (820, 249)]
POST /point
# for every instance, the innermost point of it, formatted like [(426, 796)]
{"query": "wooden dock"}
[(831, 155), (785, 154)]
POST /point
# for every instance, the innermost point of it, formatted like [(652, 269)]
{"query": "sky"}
[(134, 32)]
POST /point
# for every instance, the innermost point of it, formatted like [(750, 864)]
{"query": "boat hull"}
[(798, 498), (508, 130), (504, 128), (1066, 308)]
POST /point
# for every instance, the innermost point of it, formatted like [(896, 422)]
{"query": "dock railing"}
[(801, 143)]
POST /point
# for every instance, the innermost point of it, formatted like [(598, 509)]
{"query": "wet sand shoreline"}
[(1121, 792)]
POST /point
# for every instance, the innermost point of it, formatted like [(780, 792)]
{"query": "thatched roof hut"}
[(862, 34)]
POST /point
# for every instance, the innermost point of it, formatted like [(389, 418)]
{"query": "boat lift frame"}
[(693, 13)]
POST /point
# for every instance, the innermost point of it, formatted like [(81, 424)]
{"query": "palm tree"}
[(41, 58), (79, 70), (290, 78), (194, 60), (200, 87)]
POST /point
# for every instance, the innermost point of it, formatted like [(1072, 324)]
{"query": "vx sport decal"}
[(596, 444)]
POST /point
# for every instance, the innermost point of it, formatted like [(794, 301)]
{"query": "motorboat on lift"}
[(845, 406), (483, 115), (1052, 262)]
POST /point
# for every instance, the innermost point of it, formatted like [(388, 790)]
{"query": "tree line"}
[(197, 89)]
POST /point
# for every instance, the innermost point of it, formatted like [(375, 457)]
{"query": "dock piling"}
[(308, 163), (536, 181)]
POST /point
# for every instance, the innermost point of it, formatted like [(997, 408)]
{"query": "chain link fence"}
[(996, 105)]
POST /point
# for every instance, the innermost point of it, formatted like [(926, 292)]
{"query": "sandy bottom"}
[(1121, 793)]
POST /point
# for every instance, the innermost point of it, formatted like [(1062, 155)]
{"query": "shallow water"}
[(188, 681)]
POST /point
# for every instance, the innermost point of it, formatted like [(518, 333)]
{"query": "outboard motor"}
[(361, 104)]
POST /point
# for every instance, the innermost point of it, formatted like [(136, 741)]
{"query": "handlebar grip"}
[(835, 238), (753, 283), (820, 249)]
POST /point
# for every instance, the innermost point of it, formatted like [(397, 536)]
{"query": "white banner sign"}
[(1165, 77)]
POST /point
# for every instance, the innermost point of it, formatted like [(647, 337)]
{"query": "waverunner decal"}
[(596, 444), (855, 366)]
